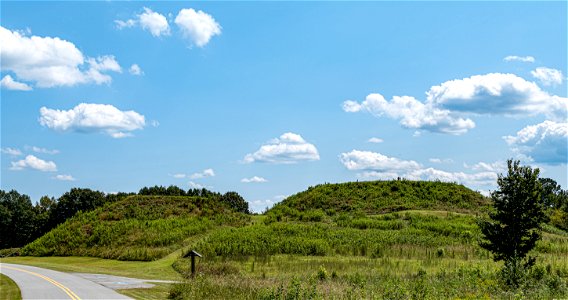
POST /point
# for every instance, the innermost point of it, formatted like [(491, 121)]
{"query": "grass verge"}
[(158, 292), (159, 269), (9, 289)]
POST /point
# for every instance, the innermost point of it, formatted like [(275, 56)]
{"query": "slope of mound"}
[(376, 197), (136, 228)]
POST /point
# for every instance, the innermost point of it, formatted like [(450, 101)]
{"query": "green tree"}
[(73, 201), (236, 202), (555, 200), (552, 194), (515, 221), (17, 219)]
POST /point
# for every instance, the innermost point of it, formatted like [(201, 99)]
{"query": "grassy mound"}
[(377, 197), (367, 240), (136, 228)]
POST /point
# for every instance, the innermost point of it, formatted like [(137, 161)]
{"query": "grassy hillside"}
[(367, 240), (376, 197), (359, 240), (136, 228)]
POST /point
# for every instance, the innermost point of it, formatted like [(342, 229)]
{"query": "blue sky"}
[(268, 98)]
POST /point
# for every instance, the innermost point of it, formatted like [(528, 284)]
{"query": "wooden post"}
[(192, 265), (192, 254)]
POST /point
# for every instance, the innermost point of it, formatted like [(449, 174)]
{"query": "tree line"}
[(21, 221)]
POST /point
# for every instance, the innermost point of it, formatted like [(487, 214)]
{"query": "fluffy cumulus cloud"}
[(157, 24), (497, 94), (88, 118), (154, 22), (198, 26), (367, 160), (412, 113), (548, 76), (205, 173), (546, 142), (528, 59), (63, 177), (32, 162), (378, 166), (135, 70), (50, 62), (448, 104), (288, 148), (254, 179), (10, 84)]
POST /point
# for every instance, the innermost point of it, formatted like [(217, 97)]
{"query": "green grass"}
[(336, 277), (8, 289), (412, 254), (406, 234), (377, 197), (158, 292), (136, 228), (158, 269), (359, 240)]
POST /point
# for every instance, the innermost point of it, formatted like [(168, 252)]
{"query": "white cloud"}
[(378, 166), (10, 84), (44, 150), (135, 70), (157, 24), (154, 22), (125, 24), (104, 63), (375, 140), (205, 173), (11, 151), (496, 94), (195, 185), (32, 162), (548, 76), (447, 104), (259, 205), (441, 161), (289, 148), (367, 160), (546, 142), (179, 175), (88, 118), (497, 167), (198, 26), (64, 177), (528, 59), (412, 113), (51, 62), (256, 179), (475, 179)]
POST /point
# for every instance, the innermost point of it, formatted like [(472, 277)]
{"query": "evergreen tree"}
[(515, 222)]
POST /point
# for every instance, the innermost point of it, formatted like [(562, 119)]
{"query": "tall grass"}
[(385, 196), (141, 228)]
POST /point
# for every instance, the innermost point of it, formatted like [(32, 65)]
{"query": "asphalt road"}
[(38, 283)]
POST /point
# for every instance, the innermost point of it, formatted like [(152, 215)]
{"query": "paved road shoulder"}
[(39, 283)]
